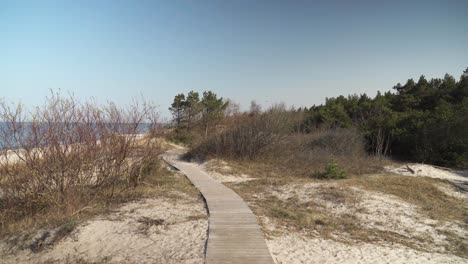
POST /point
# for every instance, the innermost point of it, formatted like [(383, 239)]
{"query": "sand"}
[(450, 190), (127, 235), (12, 156), (374, 210), (423, 170), (220, 171), (296, 248), (147, 231)]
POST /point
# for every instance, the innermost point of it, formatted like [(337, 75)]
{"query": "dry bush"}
[(272, 138), (66, 153), (248, 137), (310, 154), (337, 141)]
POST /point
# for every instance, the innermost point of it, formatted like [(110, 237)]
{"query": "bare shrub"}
[(273, 138), (338, 141), (64, 152), (309, 154), (247, 138)]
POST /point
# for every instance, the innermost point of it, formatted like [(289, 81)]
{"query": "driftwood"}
[(410, 169)]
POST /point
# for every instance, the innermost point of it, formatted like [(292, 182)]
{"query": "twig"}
[(82, 209), (149, 184)]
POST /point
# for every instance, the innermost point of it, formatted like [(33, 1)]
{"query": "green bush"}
[(421, 121), (332, 171)]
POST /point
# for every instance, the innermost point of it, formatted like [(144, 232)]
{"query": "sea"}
[(9, 141)]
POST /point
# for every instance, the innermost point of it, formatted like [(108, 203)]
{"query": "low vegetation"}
[(271, 138), (422, 121), (334, 154), (332, 171), (423, 192), (68, 159), (336, 210)]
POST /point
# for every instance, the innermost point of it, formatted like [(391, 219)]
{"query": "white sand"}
[(123, 236), (424, 170), (375, 211), (220, 171), (13, 156), (296, 248), (450, 190)]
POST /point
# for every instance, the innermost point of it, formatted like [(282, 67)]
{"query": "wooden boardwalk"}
[(233, 235)]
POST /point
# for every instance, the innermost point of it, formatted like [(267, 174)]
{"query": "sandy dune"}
[(375, 211), (165, 230), (424, 170), (221, 172), (298, 249), (147, 231)]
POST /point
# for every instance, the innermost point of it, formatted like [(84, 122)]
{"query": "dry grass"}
[(161, 182), (74, 260), (314, 219), (279, 156), (68, 159), (272, 140), (157, 180), (293, 214), (419, 191)]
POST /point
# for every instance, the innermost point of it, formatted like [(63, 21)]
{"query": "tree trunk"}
[(381, 143)]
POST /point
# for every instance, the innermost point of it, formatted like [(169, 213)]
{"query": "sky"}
[(296, 52)]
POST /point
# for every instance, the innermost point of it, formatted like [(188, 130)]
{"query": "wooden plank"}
[(234, 235)]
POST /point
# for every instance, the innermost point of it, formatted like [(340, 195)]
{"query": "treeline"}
[(192, 112), (424, 121)]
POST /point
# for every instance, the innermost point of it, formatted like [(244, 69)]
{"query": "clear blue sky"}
[(298, 52)]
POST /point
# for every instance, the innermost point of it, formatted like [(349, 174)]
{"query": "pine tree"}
[(192, 109), (177, 109), (212, 109)]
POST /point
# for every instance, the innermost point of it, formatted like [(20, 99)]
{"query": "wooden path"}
[(233, 235)]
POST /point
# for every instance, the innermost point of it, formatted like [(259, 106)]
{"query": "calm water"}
[(123, 128)]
